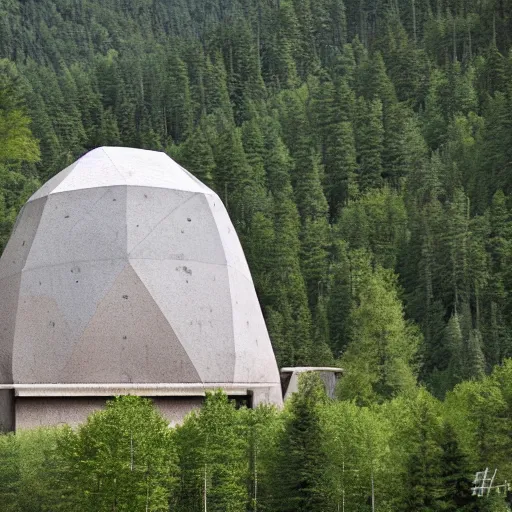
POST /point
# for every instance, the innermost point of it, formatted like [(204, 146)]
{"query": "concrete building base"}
[(6, 410), (34, 412)]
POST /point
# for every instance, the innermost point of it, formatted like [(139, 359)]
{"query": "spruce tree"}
[(196, 155), (301, 470), (340, 300), (380, 360), (369, 143), (455, 474)]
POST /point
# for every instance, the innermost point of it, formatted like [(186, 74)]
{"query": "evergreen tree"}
[(17, 143), (455, 474), (340, 301), (369, 143), (423, 484), (380, 360), (196, 155), (301, 453)]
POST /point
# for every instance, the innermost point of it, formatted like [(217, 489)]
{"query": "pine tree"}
[(340, 301), (423, 485), (322, 354), (332, 110), (314, 256), (380, 360), (475, 361), (231, 170), (254, 147), (17, 142), (369, 143), (454, 341), (306, 53), (492, 79), (216, 90), (178, 106), (301, 457), (455, 474), (196, 155), (289, 298), (282, 68)]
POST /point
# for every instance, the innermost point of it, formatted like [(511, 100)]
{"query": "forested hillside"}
[(363, 149)]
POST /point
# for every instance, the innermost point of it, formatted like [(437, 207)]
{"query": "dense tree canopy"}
[(364, 151), (411, 453), (328, 128)]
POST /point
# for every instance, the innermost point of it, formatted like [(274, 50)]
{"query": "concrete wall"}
[(6, 410), (36, 412)]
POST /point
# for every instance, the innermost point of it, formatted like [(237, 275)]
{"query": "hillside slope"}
[(363, 149)]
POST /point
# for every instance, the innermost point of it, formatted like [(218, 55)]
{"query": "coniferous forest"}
[(363, 149)]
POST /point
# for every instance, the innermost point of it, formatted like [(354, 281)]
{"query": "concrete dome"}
[(124, 269)]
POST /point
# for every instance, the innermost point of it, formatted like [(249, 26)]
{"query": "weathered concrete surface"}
[(44, 412), (290, 378), (6, 410), (124, 268)]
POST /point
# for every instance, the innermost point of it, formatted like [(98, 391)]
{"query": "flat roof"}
[(141, 389), (301, 369)]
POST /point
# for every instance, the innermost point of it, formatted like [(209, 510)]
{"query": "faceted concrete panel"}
[(125, 268), (76, 288), (17, 250), (41, 334), (142, 168), (129, 340), (53, 183), (188, 233), (147, 207), (95, 169), (82, 225), (9, 292), (254, 355), (229, 239), (195, 299)]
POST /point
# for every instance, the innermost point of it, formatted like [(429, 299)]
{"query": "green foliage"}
[(381, 358), (123, 458), (410, 453), (301, 452), (362, 148), (212, 458)]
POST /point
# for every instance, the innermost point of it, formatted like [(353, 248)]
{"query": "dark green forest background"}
[(363, 149)]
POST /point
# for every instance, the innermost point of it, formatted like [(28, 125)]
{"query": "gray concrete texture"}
[(124, 268), (46, 412)]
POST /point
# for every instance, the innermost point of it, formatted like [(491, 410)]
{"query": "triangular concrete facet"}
[(41, 343), (143, 168), (254, 355), (82, 225), (195, 299), (76, 287), (53, 183), (230, 243), (95, 169), (147, 207), (130, 340), (187, 233), (18, 248), (9, 293)]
